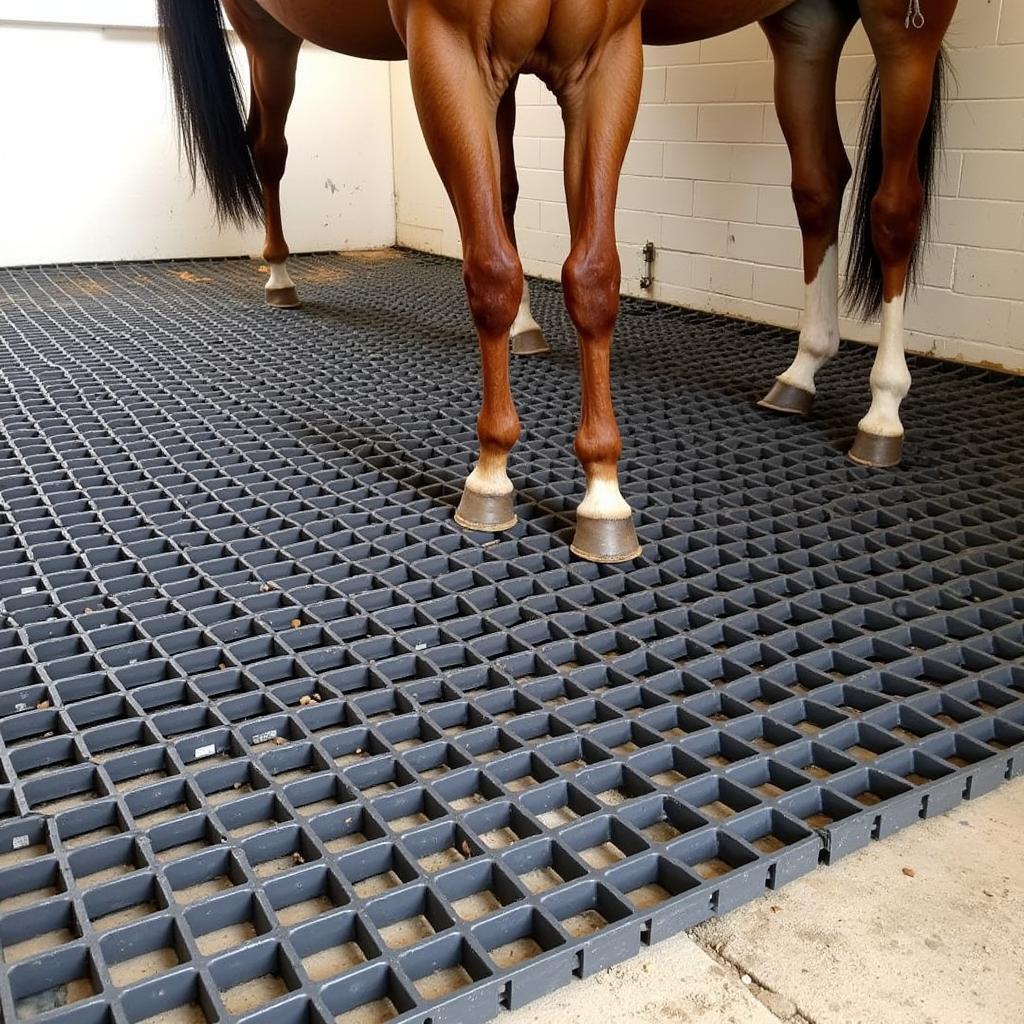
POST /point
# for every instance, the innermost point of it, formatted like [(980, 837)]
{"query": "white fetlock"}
[(490, 479), (488, 499), (603, 500), (604, 524), (819, 331), (279, 277), (890, 378)]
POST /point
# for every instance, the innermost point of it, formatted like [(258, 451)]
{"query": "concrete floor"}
[(925, 927)]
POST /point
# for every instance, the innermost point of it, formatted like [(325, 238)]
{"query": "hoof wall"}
[(876, 451), (605, 540), (529, 343), (488, 513), (788, 399), (283, 298)]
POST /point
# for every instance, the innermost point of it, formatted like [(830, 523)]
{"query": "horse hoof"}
[(876, 451), (788, 398), (605, 540), (488, 513), (283, 298), (529, 343)]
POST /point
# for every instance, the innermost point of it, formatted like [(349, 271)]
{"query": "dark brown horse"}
[(465, 56)]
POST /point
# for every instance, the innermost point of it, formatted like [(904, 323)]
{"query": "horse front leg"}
[(807, 41), (599, 113), (526, 335), (457, 103)]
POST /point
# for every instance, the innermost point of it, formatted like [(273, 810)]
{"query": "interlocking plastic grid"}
[(281, 741)]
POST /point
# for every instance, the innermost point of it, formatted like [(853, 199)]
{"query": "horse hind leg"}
[(907, 130), (526, 335), (273, 56), (807, 41)]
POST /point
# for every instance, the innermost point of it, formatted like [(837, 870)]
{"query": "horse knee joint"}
[(590, 282), (494, 287)]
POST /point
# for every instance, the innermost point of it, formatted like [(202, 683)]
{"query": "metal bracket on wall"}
[(647, 278)]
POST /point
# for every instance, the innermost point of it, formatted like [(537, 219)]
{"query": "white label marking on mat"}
[(262, 737), (206, 751), (28, 590), (19, 842), (20, 707)]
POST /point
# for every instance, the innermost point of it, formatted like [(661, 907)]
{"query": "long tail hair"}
[(209, 106), (863, 289)]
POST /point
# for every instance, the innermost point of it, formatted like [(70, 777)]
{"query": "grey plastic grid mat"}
[(279, 741)]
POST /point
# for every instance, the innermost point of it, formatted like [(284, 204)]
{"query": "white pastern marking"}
[(524, 321), (279, 276), (490, 476), (890, 378), (603, 500), (819, 328)]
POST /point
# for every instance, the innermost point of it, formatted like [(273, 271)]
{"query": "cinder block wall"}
[(707, 180)]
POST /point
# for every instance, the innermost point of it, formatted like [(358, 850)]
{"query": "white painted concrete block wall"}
[(90, 168), (707, 178)]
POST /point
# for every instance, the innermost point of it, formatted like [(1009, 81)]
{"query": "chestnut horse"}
[(465, 56)]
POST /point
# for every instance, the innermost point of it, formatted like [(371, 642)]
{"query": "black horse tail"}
[(863, 288), (209, 105)]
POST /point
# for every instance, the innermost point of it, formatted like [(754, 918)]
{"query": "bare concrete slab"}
[(925, 927), (672, 982)]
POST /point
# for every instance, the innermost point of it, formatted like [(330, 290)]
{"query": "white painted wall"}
[(90, 166), (707, 180)]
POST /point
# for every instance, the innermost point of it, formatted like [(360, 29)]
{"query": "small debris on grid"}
[(420, 647), (746, 979), (296, 623), (305, 700), (88, 610), (236, 785), (279, 741), (297, 858), (490, 543), (775, 909), (464, 847), (317, 698), (359, 750), (987, 892), (909, 872), (221, 665), (43, 705)]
